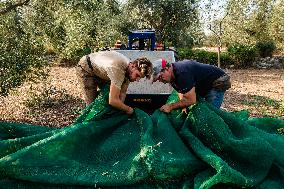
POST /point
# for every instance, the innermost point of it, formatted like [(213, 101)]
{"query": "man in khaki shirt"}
[(114, 68)]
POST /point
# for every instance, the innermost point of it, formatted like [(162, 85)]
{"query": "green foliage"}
[(242, 55), (21, 58), (205, 56), (73, 28), (265, 49), (170, 19), (276, 25), (226, 60), (185, 53), (251, 22), (62, 25)]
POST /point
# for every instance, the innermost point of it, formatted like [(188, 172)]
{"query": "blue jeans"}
[(215, 97)]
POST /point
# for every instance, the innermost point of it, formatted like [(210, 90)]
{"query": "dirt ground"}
[(258, 90), (58, 101)]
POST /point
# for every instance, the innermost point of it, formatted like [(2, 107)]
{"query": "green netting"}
[(209, 148)]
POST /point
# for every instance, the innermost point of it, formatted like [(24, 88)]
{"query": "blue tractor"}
[(144, 94), (144, 38)]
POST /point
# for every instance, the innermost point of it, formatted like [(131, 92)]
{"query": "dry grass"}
[(57, 102)]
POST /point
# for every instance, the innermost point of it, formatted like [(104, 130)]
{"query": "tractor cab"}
[(142, 40)]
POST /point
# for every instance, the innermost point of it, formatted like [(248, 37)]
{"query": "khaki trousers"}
[(89, 82)]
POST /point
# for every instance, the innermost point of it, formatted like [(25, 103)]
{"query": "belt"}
[(89, 62), (222, 83)]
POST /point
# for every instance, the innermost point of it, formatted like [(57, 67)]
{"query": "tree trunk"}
[(219, 54)]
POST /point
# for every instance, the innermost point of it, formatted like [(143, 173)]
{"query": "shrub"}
[(185, 53), (242, 55), (265, 49), (205, 57), (225, 60)]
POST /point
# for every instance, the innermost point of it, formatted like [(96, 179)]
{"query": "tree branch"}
[(210, 28), (12, 7)]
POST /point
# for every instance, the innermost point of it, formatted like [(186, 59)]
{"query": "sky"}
[(217, 12)]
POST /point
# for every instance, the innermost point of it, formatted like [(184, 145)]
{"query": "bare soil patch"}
[(258, 90), (58, 101)]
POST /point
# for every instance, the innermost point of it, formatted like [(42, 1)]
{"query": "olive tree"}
[(248, 21), (73, 28), (170, 19), (20, 57), (276, 25)]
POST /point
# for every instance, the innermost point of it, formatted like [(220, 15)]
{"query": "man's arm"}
[(115, 101), (180, 95), (123, 91), (187, 99)]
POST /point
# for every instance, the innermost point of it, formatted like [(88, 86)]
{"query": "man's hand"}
[(166, 108), (116, 102), (130, 111)]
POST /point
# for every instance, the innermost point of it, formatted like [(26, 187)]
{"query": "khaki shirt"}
[(110, 66)]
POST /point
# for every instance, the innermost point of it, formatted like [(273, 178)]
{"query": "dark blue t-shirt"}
[(189, 74)]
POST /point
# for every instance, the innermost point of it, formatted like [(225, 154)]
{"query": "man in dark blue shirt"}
[(189, 79)]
